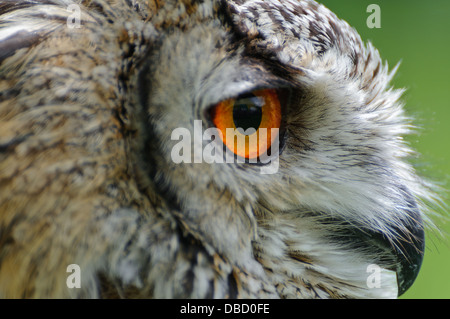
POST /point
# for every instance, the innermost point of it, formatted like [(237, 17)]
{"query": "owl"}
[(201, 149)]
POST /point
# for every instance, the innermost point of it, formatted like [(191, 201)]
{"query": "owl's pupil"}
[(247, 112)]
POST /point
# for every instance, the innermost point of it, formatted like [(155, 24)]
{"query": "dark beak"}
[(410, 251), (406, 248)]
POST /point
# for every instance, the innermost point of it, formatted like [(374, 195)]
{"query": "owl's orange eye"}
[(251, 117)]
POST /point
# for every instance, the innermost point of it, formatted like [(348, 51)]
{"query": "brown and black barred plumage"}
[(86, 176)]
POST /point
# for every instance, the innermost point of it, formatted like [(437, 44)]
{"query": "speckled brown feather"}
[(65, 171), (85, 120)]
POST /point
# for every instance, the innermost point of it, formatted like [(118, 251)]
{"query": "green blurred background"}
[(417, 34)]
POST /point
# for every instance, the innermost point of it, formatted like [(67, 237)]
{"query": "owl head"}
[(343, 195), (258, 143)]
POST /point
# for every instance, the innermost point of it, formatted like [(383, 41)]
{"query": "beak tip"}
[(410, 259)]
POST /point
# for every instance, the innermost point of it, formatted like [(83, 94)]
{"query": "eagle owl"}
[(102, 164)]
